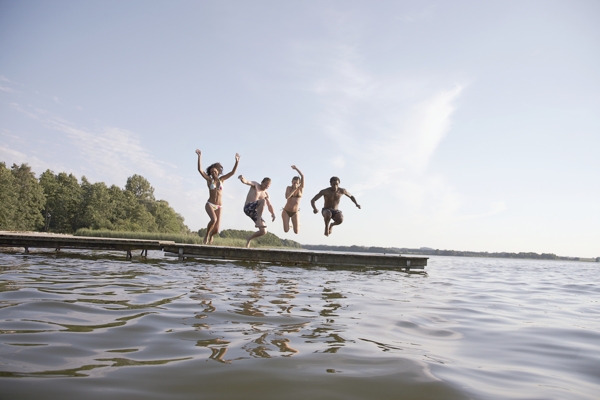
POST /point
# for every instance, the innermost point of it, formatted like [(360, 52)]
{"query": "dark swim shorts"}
[(333, 212), (250, 210)]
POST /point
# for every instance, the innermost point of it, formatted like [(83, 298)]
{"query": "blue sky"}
[(460, 125)]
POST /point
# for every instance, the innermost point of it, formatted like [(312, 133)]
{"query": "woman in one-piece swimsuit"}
[(292, 207), (214, 181)]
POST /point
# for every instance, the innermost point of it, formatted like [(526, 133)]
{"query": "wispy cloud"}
[(380, 122), (7, 89), (393, 125), (108, 152)]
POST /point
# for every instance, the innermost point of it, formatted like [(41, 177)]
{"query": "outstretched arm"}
[(229, 175), (352, 198), (312, 202), (200, 165), (247, 182)]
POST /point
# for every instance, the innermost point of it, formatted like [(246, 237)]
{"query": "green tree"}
[(97, 210), (167, 220), (129, 213), (141, 189), (8, 198), (64, 197), (30, 199)]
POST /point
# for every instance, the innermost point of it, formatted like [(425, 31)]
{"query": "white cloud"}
[(7, 89), (11, 156), (111, 152), (390, 128)]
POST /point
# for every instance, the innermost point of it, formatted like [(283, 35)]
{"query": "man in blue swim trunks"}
[(255, 204), (332, 196)]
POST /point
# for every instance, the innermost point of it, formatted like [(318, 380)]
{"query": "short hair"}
[(266, 180), (334, 178), (296, 178), (218, 166)]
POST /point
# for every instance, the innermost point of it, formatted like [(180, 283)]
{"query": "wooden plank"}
[(283, 256), (55, 241), (298, 257)]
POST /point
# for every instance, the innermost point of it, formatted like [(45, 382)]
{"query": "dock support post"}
[(129, 256), (26, 250), (180, 254)]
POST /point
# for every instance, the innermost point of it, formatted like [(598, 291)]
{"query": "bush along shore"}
[(228, 237)]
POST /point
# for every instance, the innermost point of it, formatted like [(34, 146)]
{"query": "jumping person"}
[(332, 196), (214, 181), (255, 204), (292, 207)]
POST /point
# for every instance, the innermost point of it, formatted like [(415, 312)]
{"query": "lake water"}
[(95, 326)]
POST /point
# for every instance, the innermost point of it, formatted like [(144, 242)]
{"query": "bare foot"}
[(330, 228), (326, 231)]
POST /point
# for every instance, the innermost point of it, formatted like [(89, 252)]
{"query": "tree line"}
[(437, 252), (60, 203)]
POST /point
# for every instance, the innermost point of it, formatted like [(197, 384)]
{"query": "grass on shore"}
[(177, 238)]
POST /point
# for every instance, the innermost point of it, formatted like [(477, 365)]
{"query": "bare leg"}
[(337, 219), (259, 210), (211, 223), (261, 231), (326, 218), (216, 226), (286, 221), (296, 222)]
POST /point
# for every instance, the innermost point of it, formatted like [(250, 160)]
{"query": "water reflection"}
[(68, 317)]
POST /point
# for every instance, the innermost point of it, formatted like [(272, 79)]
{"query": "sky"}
[(461, 125)]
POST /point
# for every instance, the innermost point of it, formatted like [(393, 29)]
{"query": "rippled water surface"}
[(93, 325)]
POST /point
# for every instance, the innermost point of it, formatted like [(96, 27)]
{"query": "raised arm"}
[(229, 175), (351, 198), (204, 175), (246, 181), (301, 176), (312, 202)]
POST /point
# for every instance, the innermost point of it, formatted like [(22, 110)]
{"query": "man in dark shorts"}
[(332, 196), (255, 204)]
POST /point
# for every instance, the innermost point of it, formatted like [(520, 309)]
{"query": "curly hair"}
[(218, 166)]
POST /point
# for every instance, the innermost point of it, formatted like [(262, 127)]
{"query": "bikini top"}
[(213, 187)]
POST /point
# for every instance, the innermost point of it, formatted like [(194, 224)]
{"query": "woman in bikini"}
[(214, 181), (292, 207)]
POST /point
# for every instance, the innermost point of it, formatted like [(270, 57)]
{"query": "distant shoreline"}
[(424, 251), (452, 253)]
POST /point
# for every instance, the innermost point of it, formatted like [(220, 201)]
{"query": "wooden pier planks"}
[(283, 256), (299, 257)]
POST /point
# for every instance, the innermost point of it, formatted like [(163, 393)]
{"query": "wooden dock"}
[(182, 251)]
